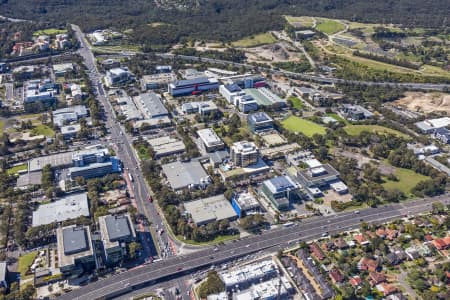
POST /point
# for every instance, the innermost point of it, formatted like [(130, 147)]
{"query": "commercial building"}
[(442, 134), (204, 211), (70, 131), (230, 92), (202, 108), (317, 176), (90, 155), (157, 81), (190, 74), (429, 126), (75, 251), (246, 276), (210, 141), (355, 112), (280, 191), (244, 153), (264, 97), (166, 145), (98, 169), (109, 64), (186, 175), (62, 69), (118, 76), (70, 207), (33, 95), (192, 86), (275, 288), (259, 121), (245, 203), (274, 152), (246, 103), (151, 106), (67, 115), (128, 108), (59, 160), (3, 274), (117, 231)]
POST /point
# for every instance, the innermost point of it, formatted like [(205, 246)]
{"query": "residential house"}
[(367, 264), (376, 278), (336, 276), (316, 251), (361, 239)]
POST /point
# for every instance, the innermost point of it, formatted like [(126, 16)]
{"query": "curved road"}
[(274, 239)]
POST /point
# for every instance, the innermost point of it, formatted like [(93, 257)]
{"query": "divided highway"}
[(279, 238)]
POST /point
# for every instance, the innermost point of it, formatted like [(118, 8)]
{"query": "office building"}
[(202, 108), (88, 156), (280, 191), (259, 121), (265, 98), (36, 93), (181, 175), (166, 146), (157, 81), (98, 169), (429, 126), (128, 108), (118, 76), (70, 207), (244, 203), (230, 92), (248, 275), (204, 211), (192, 86), (246, 103), (109, 64), (317, 176), (75, 252), (210, 141), (67, 115), (355, 112), (244, 153), (117, 232), (151, 106), (61, 69), (70, 131)]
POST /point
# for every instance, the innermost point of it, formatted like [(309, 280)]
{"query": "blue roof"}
[(233, 88), (280, 183)]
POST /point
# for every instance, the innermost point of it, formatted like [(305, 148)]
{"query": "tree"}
[(133, 248), (212, 285)]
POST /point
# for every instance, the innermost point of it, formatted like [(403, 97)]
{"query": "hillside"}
[(224, 20)]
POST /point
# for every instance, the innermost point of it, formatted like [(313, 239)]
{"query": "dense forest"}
[(222, 20)]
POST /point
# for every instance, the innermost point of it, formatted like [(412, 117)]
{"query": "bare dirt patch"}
[(425, 102)]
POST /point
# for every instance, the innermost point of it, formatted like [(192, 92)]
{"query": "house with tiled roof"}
[(367, 264), (316, 251), (386, 288), (361, 239), (340, 243), (355, 281), (441, 243), (336, 275), (376, 278)]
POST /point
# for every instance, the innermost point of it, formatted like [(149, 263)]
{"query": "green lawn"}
[(255, 40), (2, 126), (407, 180), (25, 261), (357, 129), (330, 26), (306, 127), (143, 152), (49, 31), (297, 103), (43, 130), (16, 169), (300, 21)]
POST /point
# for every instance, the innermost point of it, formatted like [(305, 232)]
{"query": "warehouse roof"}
[(152, 105), (210, 209), (183, 174), (74, 240)]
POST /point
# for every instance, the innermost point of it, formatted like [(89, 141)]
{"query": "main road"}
[(278, 238), (125, 150)]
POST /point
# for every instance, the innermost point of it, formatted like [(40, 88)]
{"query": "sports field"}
[(255, 40), (330, 26), (308, 128)]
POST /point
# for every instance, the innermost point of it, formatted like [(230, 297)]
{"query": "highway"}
[(309, 77), (275, 239), (125, 152)]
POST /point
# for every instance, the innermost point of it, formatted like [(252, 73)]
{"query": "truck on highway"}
[(288, 224)]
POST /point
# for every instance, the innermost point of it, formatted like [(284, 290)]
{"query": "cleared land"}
[(407, 180), (49, 31), (255, 40), (330, 26), (357, 129), (425, 102), (306, 127), (300, 21)]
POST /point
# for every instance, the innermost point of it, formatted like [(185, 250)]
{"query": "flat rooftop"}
[(151, 105), (73, 242), (209, 137), (55, 160), (115, 228), (166, 145), (273, 139), (210, 209), (183, 174), (265, 97), (67, 208)]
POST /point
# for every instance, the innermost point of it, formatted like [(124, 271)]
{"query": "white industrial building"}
[(210, 140)]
